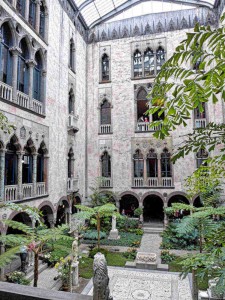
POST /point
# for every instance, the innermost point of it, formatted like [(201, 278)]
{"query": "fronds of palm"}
[(20, 226), (8, 256)]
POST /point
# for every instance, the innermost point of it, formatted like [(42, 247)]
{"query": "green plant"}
[(167, 257), (64, 269), (96, 250), (138, 212), (93, 235), (126, 223), (130, 253), (18, 277), (137, 231)]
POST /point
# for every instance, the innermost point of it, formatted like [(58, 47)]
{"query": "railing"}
[(27, 189), (138, 182), (72, 184), (167, 181), (106, 182), (72, 121), (37, 106), (23, 100), (144, 126), (200, 123), (152, 181), (105, 129), (10, 193), (5, 91), (41, 188)]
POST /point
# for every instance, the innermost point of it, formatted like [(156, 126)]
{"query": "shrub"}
[(93, 235), (136, 231), (167, 257), (96, 250), (130, 253), (127, 223), (138, 212), (18, 277), (64, 268)]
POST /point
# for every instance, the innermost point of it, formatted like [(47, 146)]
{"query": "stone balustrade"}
[(106, 182), (5, 92), (23, 100), (138, 182), (105, 129), (72, 184), (41, 188), (11, 192), (144, 126), (167, 182), (153, 182), (27, 189), (200, 123), (73, 121), (37, 106)]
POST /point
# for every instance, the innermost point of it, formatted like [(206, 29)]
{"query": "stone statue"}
[(100, 278), (75, 249), (114, 234), (113, 222)]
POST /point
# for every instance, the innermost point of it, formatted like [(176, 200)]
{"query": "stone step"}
[(57, 285), (150, 230), (30, 270), (153, 225)]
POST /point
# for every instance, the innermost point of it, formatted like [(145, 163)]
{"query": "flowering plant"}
[(64, 269), (18, 277)]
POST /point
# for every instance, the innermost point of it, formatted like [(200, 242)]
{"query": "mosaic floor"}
[(147, 285)]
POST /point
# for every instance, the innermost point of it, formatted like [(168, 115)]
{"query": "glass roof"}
[(97, 11)]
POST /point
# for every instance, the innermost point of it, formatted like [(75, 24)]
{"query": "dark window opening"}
[(32, 13), (5, 55), (11, 165), (160, 59), (106, 165), (137, 64), (166, 164), (152, 164), (105, 67), (27, 166), (138, 164), (23, 69), (40, 166), (149, 63), (105, 113)]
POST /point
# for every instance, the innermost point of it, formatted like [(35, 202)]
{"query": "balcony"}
[(72, 124), (105, 129), (144, 127), (22, 100), (200, 123), (72, 184), (153, 182), (106, 182), (12, 191)]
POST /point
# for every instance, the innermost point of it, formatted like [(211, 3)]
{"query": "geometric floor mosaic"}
[(128, 284)]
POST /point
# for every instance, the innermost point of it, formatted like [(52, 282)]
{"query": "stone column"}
[(141, 216), (20, 170), (2, 270), (43, 91), (34, 174), (15, 53), (51, 221), (37, 21), (31, 63), (165, 215), (2, 175), (159, 170), (75, 273), (145, 171), (46, 159), (27, 7)]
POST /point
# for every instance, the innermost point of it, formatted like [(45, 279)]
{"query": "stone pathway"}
[(150, 243), (46, 278)]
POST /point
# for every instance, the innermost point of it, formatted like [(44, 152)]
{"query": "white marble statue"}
[(75, 249)]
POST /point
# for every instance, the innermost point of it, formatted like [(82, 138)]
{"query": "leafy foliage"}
[(4, 123), (167, 257), (18, 277), (93, 235)]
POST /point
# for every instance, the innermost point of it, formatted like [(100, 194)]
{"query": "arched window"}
[(138, 164), (201, 157), (160, 58), (32, 13), (27, 168), (23, 69), (72, 55), (20, 7), (149, 63), (5, 55), (71, 103), (70, 163), (200, 117), (40, 165), (166, 164), (11, 164), (137, 64), (142, 107), (152, 164), (42, 19), (106, 165), (105, 67), (105, 113), (37, 77)]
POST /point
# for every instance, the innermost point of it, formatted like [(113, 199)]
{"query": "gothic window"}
[(72, 55), (70, 163), (138, 164), (40, 165), (32, 13), (149, 63), (106, 165), (137, 64), (152, 164), (11, 164), (5, 55), (105, 113), (160, 58), (71, 103), (42, 19), (201, 157), (105, 67), (166, 164), (27, 165), (23, 70), (20, 7), (37, 77), (200, 117), (197, 62), (142, 107)]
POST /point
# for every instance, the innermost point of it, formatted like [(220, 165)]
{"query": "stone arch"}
[(47, 210), (131, 193), (28, 43), (19, 216), (30, 145), (43, 147), (176, 193), (177, 197), (46, 203), (141, 89), (15, 141), (41, 52), (197, 201), (9, 22), (62, 211), (77, 199), (153, 207), (152, 193), (128, 203)]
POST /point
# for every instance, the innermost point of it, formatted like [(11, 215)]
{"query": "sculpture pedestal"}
[(114, 235), (75, 273)]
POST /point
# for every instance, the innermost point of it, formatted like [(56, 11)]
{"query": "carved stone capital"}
[(15, 50), (31, 63)]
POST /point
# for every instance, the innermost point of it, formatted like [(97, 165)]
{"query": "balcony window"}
[(160, 59), (23, 69), (11, 164), (137, 64), (32, 13), (106, 165), (27, 167), (105, 67), (105, 117), (201, 157), (40, 166), (37, 78), (200, 117), (166, 164), (149, 63), (5, 55), (152, 164), (20, 7), (70, 163), (42, 20), (138, 164), (72, 55), (71, 102)]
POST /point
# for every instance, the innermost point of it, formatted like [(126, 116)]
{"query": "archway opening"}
[(22, 218), (47, 215), (197, 202), (153, 209), (76, 201), (177, 199), (62, 213), (128, 204)]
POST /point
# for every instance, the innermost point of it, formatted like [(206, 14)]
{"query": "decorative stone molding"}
[(105, 93)]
